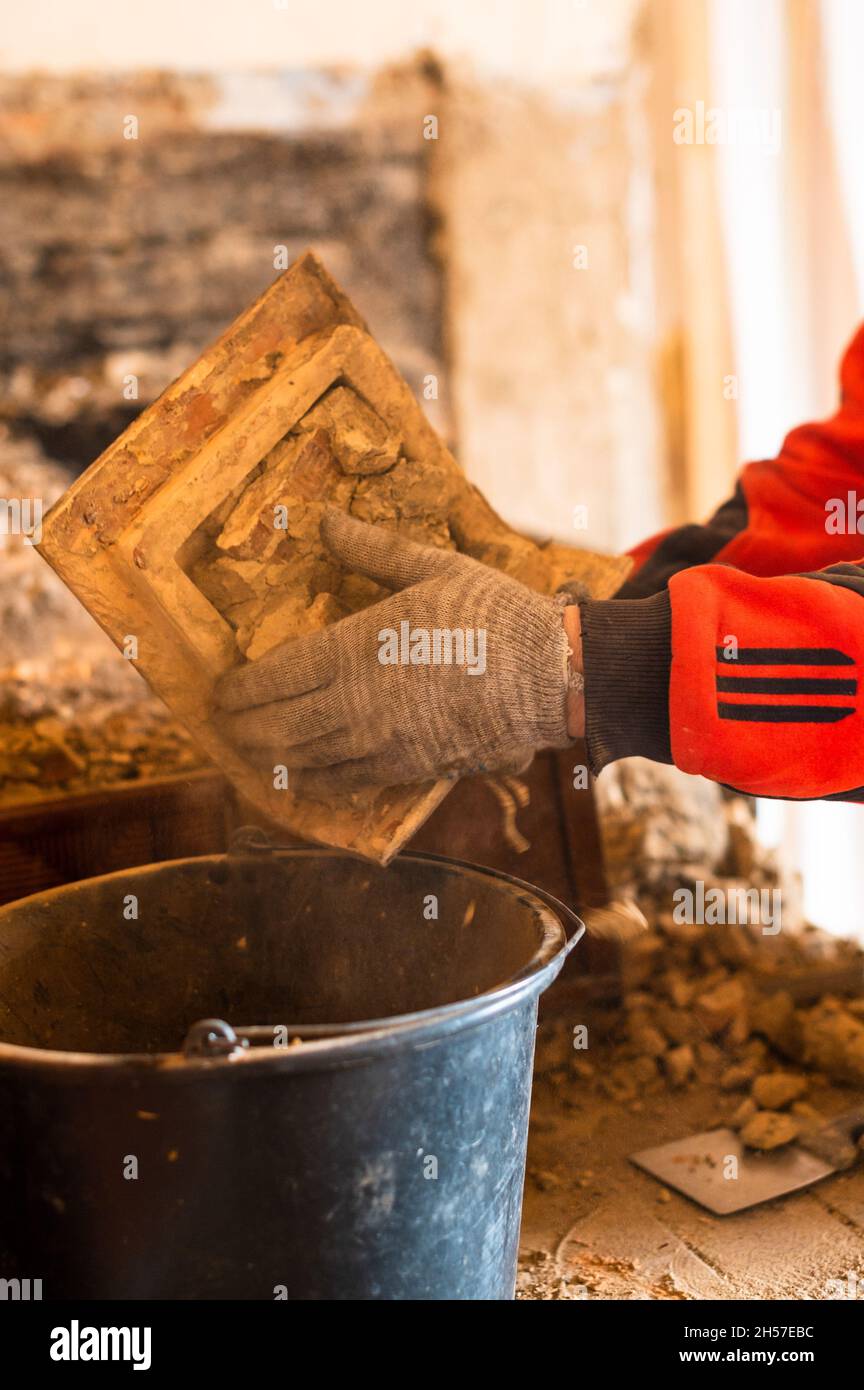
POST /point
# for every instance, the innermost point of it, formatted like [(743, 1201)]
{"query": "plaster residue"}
[(259, 557)]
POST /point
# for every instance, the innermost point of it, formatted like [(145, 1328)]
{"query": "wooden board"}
[(79, 835), (169, 537)]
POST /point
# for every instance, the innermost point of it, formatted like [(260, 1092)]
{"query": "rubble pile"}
[(44, 756), (73, 717), (765, 1013)]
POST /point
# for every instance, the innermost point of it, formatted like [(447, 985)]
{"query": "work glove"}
[(374, 700)]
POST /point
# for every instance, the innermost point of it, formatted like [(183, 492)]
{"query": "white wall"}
[(566, 40), (794, 229)]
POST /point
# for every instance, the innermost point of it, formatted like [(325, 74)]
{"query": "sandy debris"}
[(73, 716), (723, 1006), (769, 1129), (777, 1089)]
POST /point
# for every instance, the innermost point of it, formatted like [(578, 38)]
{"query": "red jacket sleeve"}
[(734, 650)]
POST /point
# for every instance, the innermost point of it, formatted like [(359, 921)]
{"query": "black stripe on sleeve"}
[(780, 685), (785, 656), (784, 714)]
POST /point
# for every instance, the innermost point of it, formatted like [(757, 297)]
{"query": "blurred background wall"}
[(604, 320), (504, 244)]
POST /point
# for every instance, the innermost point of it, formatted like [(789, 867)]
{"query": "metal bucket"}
[(352, 1125)]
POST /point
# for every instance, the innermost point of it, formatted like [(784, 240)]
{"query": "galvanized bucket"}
[(271, 1074)]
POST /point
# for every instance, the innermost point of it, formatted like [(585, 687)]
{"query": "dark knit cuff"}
[(627, 659)]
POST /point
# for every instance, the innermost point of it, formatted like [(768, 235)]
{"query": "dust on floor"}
[(595, 1227)]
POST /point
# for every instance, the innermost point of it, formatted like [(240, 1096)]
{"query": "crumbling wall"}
[(122, 258)]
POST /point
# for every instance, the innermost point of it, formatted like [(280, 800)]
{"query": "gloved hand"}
[(372, 699)]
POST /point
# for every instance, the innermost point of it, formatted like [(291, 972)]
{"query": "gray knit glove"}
[(462, 669)]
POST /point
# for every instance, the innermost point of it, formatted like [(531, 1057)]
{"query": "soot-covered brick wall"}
[(122, 258)]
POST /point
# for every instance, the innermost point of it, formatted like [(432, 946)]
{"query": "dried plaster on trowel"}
[(259, 556)]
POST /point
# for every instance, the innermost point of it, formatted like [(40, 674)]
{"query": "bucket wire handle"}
[(212, 1037)]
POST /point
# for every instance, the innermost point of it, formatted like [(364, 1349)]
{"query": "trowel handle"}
[(838, 1142)]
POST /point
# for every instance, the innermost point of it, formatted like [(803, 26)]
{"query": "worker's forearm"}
[(732, 650), (752, 682), (789, 515), (626, 657)]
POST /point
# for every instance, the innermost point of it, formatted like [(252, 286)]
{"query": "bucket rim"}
[(347, 1044)]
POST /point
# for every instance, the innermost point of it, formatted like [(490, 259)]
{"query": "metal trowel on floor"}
[(702, 1165)]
